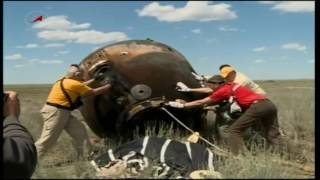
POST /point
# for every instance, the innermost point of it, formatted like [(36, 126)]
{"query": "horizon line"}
[(253, 80)]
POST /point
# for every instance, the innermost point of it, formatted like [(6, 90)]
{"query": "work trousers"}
[(263, 112), (55, 121)]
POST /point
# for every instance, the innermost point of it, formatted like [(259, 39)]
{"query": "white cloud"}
[(193, 11), (59, 28), (42, 61), (59, 23), (82, 37), (81, 26), (54, 45), (63, 52), (311, 61), (259, 61), (295, 6), (33, 60), (30, 45), (258, 49), (19, 65), (228, 29), (268, 2), (14, 57), (196, 31), (292, 6), (49, 61), (294, 46)]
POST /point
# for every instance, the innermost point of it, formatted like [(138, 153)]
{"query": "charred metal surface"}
[(144, 73)]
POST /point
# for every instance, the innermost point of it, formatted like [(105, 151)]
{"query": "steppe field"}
[(295, 100)]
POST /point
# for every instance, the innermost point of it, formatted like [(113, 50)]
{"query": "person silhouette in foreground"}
[(19, 151)]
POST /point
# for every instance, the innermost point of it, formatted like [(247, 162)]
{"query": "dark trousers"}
[(264, 112)]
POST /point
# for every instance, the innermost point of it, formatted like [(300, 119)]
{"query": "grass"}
[(296, 112)]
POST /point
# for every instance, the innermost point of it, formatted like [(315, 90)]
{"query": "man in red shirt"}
[(256, 108)]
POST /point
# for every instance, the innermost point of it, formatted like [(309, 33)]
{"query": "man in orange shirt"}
[(63, 99)]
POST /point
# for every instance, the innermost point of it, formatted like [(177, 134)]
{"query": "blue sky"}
[(264, 40)]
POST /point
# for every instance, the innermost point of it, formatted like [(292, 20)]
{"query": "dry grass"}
[(296, 116)]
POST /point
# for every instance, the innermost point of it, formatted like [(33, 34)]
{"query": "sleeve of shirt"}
[(82, 89), (219, 96), (19, 151)]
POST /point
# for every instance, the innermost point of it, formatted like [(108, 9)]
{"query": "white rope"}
[(181, 123), (163, 150), (189, 149), (144, 145), (93, 163), (210, 160), (111, 156)]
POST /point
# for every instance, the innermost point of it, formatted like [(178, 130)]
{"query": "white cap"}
[(72, 71)]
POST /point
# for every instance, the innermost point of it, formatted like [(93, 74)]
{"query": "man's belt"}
[(58, 106)]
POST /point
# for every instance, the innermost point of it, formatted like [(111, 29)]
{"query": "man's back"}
[(72, 87), (243, 80)]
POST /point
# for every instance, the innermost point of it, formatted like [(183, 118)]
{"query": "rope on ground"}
[(202, 138), (306, 169)]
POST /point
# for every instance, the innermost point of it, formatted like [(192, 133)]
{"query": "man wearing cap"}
[(256, 108), (231, 75), (62, 100)]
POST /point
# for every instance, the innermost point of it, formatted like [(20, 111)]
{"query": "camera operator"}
[(19, 151)]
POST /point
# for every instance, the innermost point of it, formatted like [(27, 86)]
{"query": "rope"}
[(202, 138), (305, 168)]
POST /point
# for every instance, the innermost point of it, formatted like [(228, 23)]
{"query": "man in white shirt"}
[(231, 75)]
